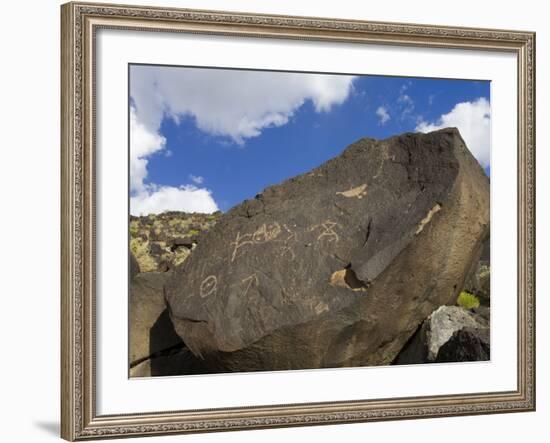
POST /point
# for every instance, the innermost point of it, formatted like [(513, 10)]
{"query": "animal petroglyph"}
[(327, 231), (249, 282), (208, 286), (264, 234), (288, 250), (357, 192)]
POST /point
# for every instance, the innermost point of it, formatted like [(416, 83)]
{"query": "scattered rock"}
[(439, 331), (161, 242), (338, 266), (187, 242)]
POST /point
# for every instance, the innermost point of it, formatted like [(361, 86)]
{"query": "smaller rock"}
[(466, 344), (155, 249), (187, 242), (444, 322), (151, 330), (439, 329)]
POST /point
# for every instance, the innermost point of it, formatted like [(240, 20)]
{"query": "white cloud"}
[(197, 179), (230, 103), (406, 102), (148, 198), (236, 105), (143, 143), (473, 120), (157, 199), (383, 114)]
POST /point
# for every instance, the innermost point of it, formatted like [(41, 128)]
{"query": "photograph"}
[(284, 220)]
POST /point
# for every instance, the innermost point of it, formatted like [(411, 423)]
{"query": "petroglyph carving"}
[(291, 234), (327, 231), (266, 232), (209, 286), (427, 219), (287, 250), (239, 243), (249, 281), (357, 192)]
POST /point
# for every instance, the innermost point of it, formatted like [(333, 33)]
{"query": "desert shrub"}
[(467, 300)]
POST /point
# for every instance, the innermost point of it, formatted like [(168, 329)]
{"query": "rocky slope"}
[(161, 242)]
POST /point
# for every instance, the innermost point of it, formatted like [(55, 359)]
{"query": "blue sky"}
[(204, 139)]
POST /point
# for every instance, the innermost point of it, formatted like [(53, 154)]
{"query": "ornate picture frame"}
[(80, 23)]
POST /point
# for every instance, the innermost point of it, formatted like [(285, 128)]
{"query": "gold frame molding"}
[(79, 22)]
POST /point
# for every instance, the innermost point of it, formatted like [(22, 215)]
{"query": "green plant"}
[(467, 300)]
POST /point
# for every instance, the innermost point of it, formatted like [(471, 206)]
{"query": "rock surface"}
[(338, 266), (478, 281), (466, 344), (450, 334), (177, 361), (134, 266), (151, 330)]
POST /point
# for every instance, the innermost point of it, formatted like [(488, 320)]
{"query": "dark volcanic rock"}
[(441, 331), (466, 344), (338, 266), (151, 330), (187, 242)]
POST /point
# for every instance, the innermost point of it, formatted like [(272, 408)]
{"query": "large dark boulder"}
[(338, 266)]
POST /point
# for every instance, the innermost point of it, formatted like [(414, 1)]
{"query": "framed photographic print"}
[(281, 221)]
